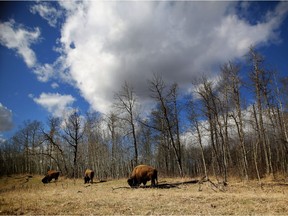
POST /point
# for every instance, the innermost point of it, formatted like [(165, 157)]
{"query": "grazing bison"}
[(50, 175), (88, 176), (142, 174)]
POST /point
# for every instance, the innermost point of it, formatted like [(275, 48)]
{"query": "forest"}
[(215, 130)]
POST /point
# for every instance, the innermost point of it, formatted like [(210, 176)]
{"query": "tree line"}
[(214, 130)]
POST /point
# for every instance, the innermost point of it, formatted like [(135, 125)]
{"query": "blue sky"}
[(55, 56)]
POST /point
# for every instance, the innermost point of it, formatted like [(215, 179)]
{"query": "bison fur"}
[(88, 176), (142, 174), (51, 174)]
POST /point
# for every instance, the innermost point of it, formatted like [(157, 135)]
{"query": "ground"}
[(28, 195)]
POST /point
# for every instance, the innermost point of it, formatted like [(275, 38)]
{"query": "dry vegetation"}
[(23, 195)]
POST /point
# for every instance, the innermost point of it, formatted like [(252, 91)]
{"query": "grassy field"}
[(23, 195)]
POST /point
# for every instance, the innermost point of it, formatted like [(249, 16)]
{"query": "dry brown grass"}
[(19, 196)]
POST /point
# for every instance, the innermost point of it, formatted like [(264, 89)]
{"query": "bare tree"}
[(30, 137), (73, 134), (125, 103), (256, 144), (146, 144), (195, 125), (55, 149), (169, 114), (92, 139), (112, 121), (259, 81), (230, 74), (217, 126), (282, 116)]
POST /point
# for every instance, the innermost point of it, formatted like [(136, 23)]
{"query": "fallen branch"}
[(172, 185), (162, 185), (220, 186), (120, 188)]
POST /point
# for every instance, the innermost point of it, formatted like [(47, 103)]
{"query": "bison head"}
[(45, 180), (132, 182)]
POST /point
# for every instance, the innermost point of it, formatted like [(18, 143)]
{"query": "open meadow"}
[(28, 195)]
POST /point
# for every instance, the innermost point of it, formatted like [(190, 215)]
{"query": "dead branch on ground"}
[(215, 187), (162, 185)]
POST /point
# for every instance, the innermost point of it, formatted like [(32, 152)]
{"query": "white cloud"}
[(44, 72), (20, 39), (56, 104), (57, 70), (105, 43), (47, 12), (6, 121), (55, 85)]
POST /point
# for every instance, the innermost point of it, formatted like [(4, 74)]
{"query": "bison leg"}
[(91, 177), (86, 179), (154, 182)]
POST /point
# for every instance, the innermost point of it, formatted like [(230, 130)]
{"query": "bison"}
[(142, 174), (88, 176), (50, 175)]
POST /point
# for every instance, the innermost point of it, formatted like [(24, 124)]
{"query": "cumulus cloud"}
[(58, 70), (106, 43), (20, 39), (44, 72), (56, 104), (6, 121), (47, 12)]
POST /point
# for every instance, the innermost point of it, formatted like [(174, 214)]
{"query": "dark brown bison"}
[(142, 174), (51, 174), (88, 176)]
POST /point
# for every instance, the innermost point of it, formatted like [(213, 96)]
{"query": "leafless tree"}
[(259, 82), (217, 126), (54, 148), (126, 104), (193, 117), (230, 74), (168, 105), (73, 134)]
